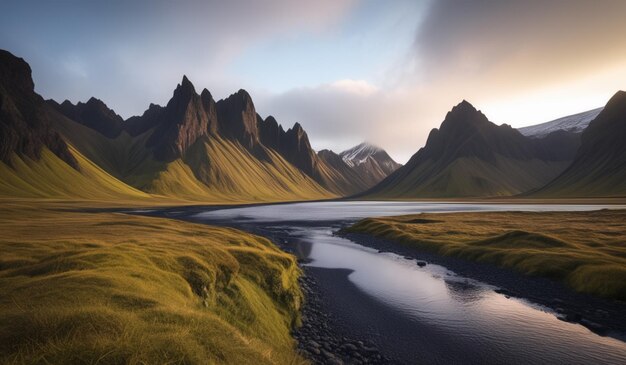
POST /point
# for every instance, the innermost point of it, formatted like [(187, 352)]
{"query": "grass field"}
[(109, 288), (585, 250)]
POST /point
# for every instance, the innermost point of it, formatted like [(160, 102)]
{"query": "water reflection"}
[(454, 318), (333, 211), (464, 291), (302, 248)]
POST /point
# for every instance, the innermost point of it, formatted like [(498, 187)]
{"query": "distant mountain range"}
[(575, 123), (198, 149), (599, 167), (192, 148), (371, 162), (469, 156)]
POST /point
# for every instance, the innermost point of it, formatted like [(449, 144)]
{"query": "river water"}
[(448, 318)]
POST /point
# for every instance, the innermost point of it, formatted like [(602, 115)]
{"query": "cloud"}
[(521, 62), (358, 87), (344, 113), (518, 44), (134, 52)]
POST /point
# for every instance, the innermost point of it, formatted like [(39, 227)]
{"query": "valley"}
[(363, 292), (200, 231)]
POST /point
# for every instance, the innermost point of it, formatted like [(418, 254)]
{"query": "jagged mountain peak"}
[(95, 101), (241, 98), (465, 104), (16, 72), (360, 151), (371, 162), (25, 127), (93, 113), (464, 113), (206, 94), (185, 90), (65, 103), (237, 119), (242, 93), (185, 82), (471, 156), (271, 119), (297, 129)]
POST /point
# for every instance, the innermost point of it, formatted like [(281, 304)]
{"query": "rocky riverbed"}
[(320, 339)]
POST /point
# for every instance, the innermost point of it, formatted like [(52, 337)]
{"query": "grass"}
[(113, 288), (469, 177), (50, 177), (584, 250), (214, 170)]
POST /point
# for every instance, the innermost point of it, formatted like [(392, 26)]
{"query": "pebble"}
[(318, 342)]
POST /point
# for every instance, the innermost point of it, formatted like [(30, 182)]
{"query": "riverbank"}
[(604, 316), (583, 250), (116, 288), (343, 314), (328, 333)]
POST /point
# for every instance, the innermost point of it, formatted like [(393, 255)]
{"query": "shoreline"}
[(330, 331), (604, 317)]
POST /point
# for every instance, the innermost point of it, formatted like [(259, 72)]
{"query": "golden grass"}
[(214, 170), (224, 171), (159, 183), (51, 177), (112, 288), (586, 250)]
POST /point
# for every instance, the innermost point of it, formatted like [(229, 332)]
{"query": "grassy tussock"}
[(111, 288), (585, 250)]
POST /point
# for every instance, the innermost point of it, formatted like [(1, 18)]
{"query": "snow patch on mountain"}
[(572, 123), (359, 154)]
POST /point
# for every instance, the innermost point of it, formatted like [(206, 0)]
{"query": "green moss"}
[(585, 250), (112, 288)]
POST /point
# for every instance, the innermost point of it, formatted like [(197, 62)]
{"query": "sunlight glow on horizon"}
[(347, 70)]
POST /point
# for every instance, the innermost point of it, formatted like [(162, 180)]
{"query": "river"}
[(420, 314)]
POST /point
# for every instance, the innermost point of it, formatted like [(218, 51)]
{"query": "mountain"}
[(238, 119), (349, 179), (198, 149), (370, 162), (94, 114), (24, 117), (175, 127), (575, 123), (326, 167), (193, 148), (468, 156), (36, 162), (599, 167)]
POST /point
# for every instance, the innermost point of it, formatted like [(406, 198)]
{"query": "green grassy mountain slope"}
[(179, 151), (201, 148), (599, 168), (212, 169), (471, 157), (24, 116), (325, 167), (345, 178), (35, 160), (52, 178)]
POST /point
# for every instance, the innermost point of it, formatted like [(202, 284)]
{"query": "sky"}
[(349, 71)]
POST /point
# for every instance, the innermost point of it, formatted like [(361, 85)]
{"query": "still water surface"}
[(475, 323)]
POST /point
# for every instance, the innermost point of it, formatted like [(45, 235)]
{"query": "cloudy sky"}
[(347, 70)]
